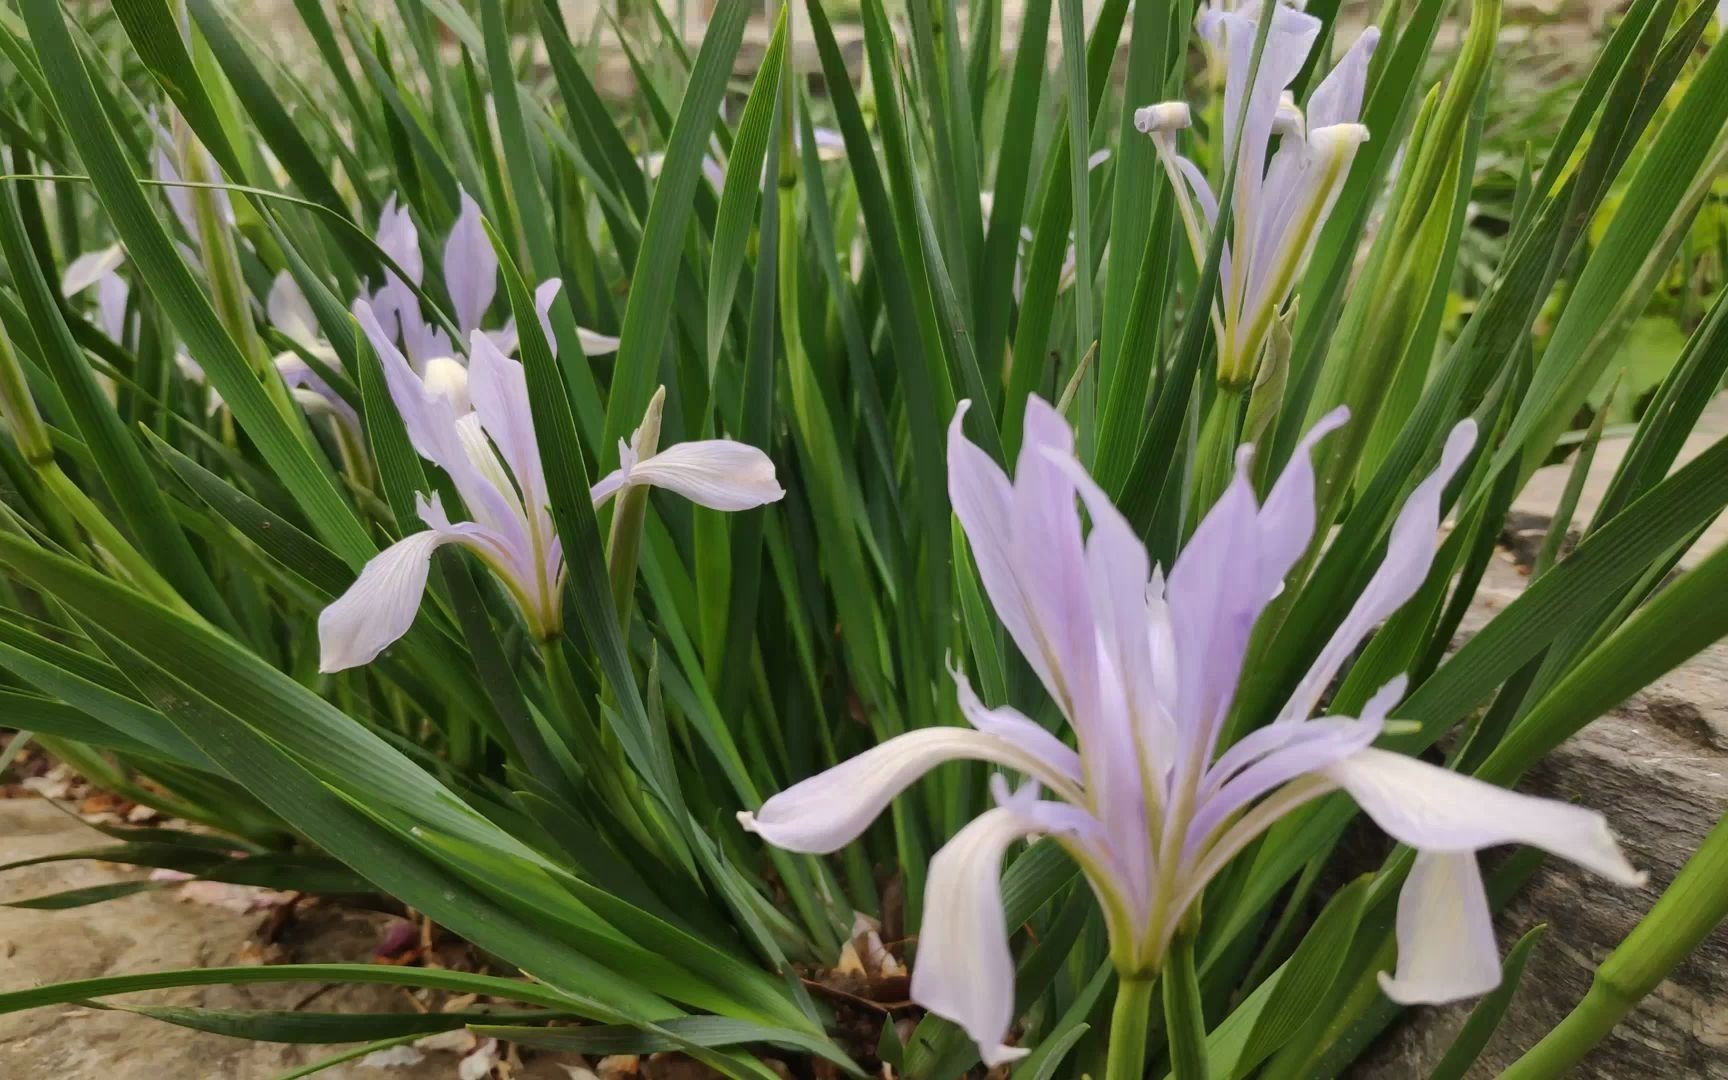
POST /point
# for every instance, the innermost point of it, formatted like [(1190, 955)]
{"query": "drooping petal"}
[(1436, 809), (1338, 98), (1013, 726), (1410, 548), (492, 548), (290, 312), (380, 606), (831, 809), (89, 268), (964, 970), (470, 267), (1446, 948), (717, 473)]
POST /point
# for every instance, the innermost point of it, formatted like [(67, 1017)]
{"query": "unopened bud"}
[(645, 441)]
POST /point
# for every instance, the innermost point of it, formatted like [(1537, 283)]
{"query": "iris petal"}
[(1446, 947)]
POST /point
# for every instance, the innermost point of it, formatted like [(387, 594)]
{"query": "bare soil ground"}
[(159, 930)]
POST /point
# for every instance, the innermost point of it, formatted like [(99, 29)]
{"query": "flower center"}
[(448, 379)]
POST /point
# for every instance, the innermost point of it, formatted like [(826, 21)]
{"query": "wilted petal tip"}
[(1163, 116)]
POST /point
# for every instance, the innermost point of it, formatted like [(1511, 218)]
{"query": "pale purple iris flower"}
[(286, 306), (288, 311), (470, 277), (1279, 205), (474, 422), (1145, 669)]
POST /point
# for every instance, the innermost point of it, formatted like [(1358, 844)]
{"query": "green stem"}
[(1215, 455), (598, 759), (1128, 1022), (1184, 1022), (1687, 912)]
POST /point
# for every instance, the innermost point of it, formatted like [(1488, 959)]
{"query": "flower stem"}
[(1687, 912), (1215, 454), (1128, 1021), (599, 759), (1184, 1022)]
